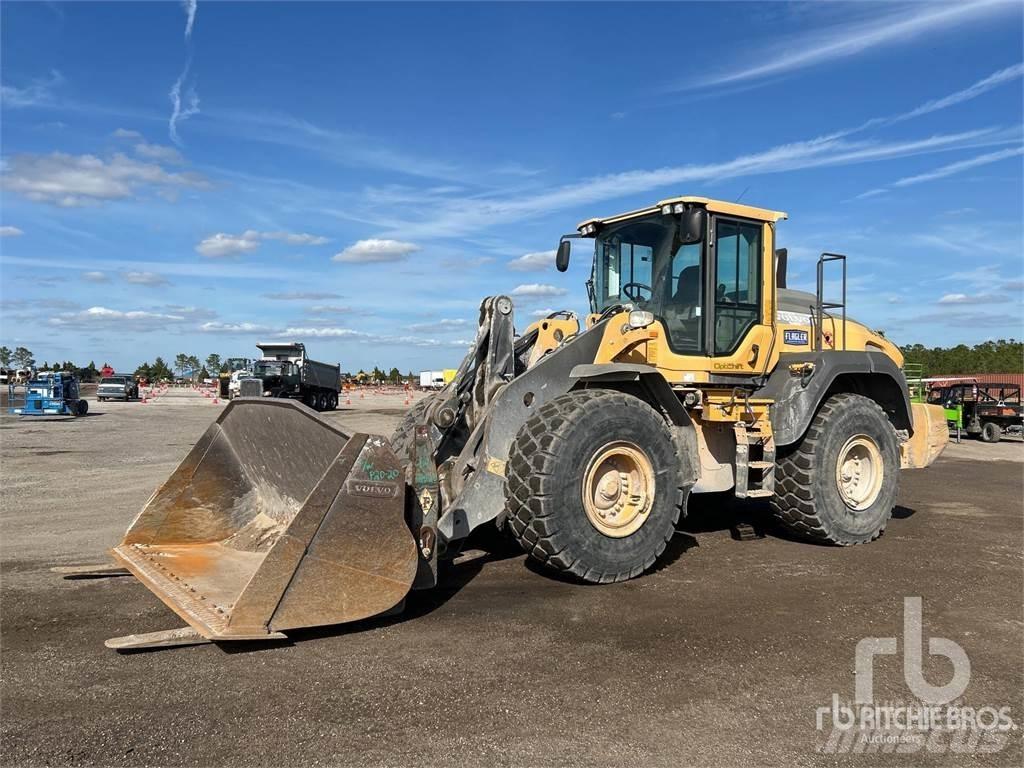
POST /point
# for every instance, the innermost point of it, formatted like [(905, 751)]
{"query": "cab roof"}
[(715, 206)]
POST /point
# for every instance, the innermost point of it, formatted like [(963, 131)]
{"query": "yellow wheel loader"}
[(697, 370)]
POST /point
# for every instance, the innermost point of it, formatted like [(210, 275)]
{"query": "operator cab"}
[(671, 258)]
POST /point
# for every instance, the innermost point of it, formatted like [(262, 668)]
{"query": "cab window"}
[(737, 282), (683, 319), (624, 263)]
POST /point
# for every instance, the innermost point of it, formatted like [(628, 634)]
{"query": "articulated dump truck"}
[(697, 370)]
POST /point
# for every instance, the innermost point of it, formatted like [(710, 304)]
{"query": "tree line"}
[(22, 358), (394, 376), (1000, 356), (183, 365)]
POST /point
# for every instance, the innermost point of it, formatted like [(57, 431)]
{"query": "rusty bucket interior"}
[(275, 520)]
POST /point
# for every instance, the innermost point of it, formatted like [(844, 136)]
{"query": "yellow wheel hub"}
[(618, 489), (859, 472)]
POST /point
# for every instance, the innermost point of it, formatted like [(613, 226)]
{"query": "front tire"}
[(839, 484), (594, 485)]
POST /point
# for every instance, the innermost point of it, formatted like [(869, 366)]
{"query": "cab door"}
[(737, 337)]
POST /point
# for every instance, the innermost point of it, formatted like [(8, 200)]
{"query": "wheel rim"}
[(618, 489), (859, 472)]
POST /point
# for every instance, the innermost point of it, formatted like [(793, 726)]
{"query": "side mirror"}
[(692, 225), (562, 256)]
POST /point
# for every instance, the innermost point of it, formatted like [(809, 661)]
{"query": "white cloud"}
[(537, 290), (872, 193), (971, 92), (962, 165), (221, 244), (179, 112), (986, 274), (158, 152), (296, 238), (301, 296), (74, 180), (342, 147), (190, 16), (234, 328), (954, 298), (375, 251), (324, 333), (961, 319), (95, 277), (103, 317), (533, 262), (9, 231), (124, 133), (848, 39), (38, 92), (363, 337), (978, 298), (330, 309), (542, 312), (441, 326), (455, 216), (151, 279)]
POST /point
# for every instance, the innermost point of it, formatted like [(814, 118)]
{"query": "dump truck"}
[(285, 371), (696, 370)]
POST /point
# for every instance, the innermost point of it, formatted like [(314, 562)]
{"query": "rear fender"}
[(803, 380)]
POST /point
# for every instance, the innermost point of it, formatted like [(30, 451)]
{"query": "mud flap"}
[(275, 520)]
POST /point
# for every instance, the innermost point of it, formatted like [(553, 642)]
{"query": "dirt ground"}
[(720, 657)]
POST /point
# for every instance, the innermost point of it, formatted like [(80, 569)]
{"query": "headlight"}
[(640, 319), (666, 209)]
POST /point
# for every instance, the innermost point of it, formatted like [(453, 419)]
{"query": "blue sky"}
[(194, 179)]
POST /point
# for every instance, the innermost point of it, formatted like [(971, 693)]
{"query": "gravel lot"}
[(720, 657)]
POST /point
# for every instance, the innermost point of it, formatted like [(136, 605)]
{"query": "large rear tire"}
[(839, 484), (594, 485)]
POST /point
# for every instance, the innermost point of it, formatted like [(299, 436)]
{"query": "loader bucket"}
[(275, 520)]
